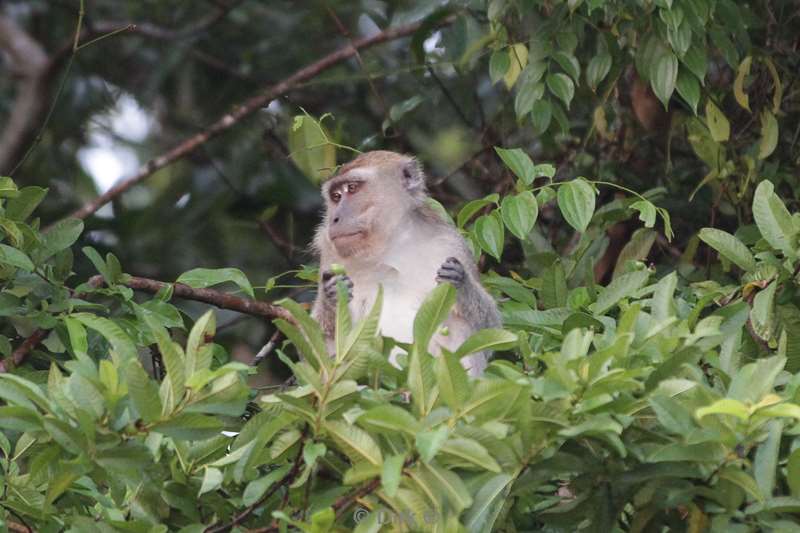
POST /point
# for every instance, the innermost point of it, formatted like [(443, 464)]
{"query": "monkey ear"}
[(413, 176)]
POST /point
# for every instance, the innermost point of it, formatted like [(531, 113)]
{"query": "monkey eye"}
[(336, 196), (352, 187)]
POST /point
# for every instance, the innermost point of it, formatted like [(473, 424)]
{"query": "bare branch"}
[(30, 64), (22, 351), (247, 108), (219, 299)]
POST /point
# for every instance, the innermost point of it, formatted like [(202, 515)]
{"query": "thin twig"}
[(267, 348), (248, 107), (284, 481)]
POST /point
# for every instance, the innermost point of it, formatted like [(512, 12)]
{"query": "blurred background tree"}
[(577, 83)]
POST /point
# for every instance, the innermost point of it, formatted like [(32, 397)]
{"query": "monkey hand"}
[(452, 271), (330, 281)]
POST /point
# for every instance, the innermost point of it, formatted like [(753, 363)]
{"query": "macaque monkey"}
[(380, 228)]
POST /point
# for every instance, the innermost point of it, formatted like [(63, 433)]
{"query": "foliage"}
[(644, 380)]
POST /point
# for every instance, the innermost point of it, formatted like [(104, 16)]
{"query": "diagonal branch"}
[(248, 107)]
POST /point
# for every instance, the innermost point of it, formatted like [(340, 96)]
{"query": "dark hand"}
[(452, 271), (329, 283)]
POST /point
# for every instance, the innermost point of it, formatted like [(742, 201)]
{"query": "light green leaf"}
[(576, 200), (487, 503), (773, 219), (730, 247), (487, 339), (355, 442), (518, 162), (212, 480), (472, 452), (636, 249), (598, 69), (717, 123), (499, 63), (725, 406), (24, 204), (200, 278), (738, 84), (15, 258), (569, 63), (123, 348), (391, 474), (198, 349), (561, 86), (489, 232), (172, 355), (389, 418), (647, 212), (622, 287), (519, 213), (766, 461), (429, 442), (769, 135), (664, 74), (452, 380), (310, 148), (61, 236), (143, 392), (470, 208), (689, 88), (258, 487)]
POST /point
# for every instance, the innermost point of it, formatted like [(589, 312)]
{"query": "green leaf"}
[(689, 88), (696, 60), (466, 212), (392, 473), (729, 247), (622, 287), (355, 442), (198, 349), (429, 442), (793, 472), (123, 348), (310, 148), (172, 355), (143, 392), (258, 487), (647, 212), (23, 205), (190, 426), (499, 63), (19, 418), (490, 235), (518, 162), (741, 479), (200, 278), (664, 75), (212, 480), (452, 380), (725, 406), (13, 257), (488, 502), (576, 200), (519, 213), (569, 63), (738, 84), (471, 452), (561, 86), (433, 311), (8, 189), (636, 249), (541, 115), (769, 135), (773, 219), (598, 69), (391, 418), (61, 236), (766, 461), (718, 125), (487, 339)]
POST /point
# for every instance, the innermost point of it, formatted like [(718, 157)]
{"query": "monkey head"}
[(367, 200)]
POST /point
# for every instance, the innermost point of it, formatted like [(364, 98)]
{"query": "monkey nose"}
[(335, 220)]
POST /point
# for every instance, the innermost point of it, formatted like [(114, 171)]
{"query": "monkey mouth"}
[(348, 235)]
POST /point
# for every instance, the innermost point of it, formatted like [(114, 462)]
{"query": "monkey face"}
[(367, 200)]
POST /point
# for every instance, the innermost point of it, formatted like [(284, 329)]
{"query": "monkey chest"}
[(402, 298)]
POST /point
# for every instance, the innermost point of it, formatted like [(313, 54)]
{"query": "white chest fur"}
[(406, 278)]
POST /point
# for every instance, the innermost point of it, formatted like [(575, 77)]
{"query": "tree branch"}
[(248, 107), (219, 299), (30, 63)]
